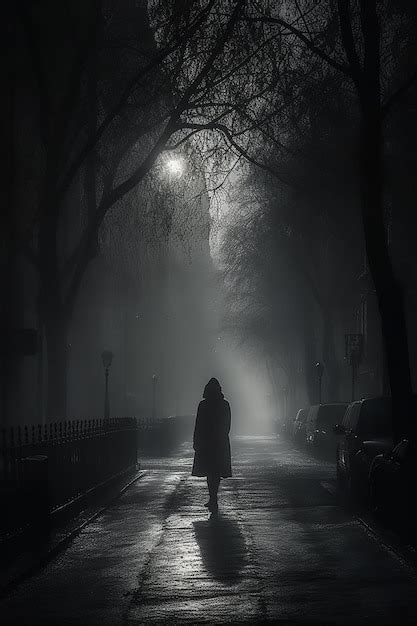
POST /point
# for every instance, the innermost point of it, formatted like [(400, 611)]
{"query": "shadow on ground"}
[(222, 548)]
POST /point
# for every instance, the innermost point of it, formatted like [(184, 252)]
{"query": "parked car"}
[(299, 427), (365, 432), (393, 485), (321, 420), (282, 427)]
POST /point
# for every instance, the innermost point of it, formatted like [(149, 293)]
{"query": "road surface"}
[(282, 549)]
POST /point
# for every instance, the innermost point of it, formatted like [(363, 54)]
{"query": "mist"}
[(208, 271)]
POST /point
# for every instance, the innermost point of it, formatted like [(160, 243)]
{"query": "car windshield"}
[(376, 418), (331, 414)]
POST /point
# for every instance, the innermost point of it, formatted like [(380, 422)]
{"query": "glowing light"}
[(175, 166)]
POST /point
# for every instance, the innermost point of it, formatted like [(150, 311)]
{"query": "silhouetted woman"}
[(211, 440)]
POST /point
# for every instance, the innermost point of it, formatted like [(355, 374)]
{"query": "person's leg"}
[(213, 483)]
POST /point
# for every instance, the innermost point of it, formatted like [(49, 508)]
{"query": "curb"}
[(384, 536), (64, 541)]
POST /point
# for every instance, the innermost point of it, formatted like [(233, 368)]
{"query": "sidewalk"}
[(29, 551), (282, 549)]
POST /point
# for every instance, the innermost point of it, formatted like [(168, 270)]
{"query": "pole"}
[(286, 404), (320, 388), (320, 370), (125, 364), (353, 376), (154, 381), (106, 357), (106, 394)]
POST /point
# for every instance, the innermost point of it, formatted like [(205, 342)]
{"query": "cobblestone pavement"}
[(281, 550)]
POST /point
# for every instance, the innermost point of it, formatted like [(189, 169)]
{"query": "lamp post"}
[(285, 401), (106, 357), (154, 383), (320, 370)]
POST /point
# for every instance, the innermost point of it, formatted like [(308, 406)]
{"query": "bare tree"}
[(226, 70), (357, 45), (362, 31), (127, 136)]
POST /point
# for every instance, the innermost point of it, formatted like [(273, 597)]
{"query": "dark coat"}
[(211, 438)]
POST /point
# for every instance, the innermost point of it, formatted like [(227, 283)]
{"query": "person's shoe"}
[(213, 507)]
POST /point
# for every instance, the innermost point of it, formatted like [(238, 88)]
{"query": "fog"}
[(208, 199), (162, 312), (201, 219)]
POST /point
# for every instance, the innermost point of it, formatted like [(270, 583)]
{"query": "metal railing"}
[(80, 455), (161, 436)]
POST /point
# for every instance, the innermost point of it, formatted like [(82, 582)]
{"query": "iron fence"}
[(76, 455), (163, 435)]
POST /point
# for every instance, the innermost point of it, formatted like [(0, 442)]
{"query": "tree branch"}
[(341, 67), (395, 97), (106, 203), (348, 41), (38, 69), (123, 188), (240, 149), (75, 75), (127, 92)]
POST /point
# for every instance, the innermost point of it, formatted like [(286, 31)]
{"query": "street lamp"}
[(285, 401), (106, 357), (175, 166), (320, 370), (154, 383)]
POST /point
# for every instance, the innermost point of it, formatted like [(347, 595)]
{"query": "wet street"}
[(282, 549)]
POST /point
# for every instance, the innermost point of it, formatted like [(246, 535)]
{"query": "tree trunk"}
[(57, 360), (331, 365), (90, 176), (388, 290), (52, 313), (310, 360), (292, 394), (8, 362)]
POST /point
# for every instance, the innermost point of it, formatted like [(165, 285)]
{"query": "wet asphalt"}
[(282, 550)]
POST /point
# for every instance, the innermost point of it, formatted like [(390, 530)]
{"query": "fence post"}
[(35, 489)]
